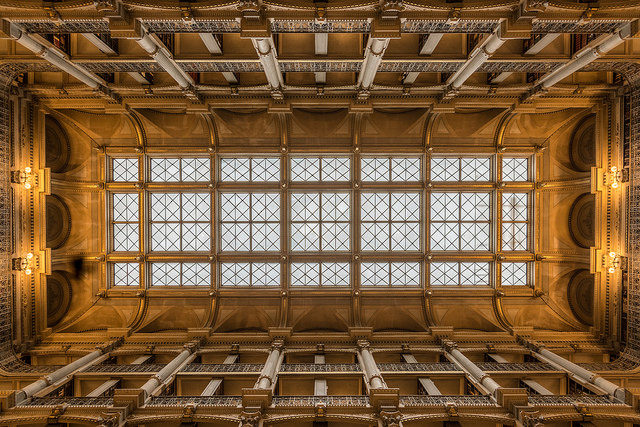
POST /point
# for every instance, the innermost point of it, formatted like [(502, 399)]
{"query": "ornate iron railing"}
[(71, 401), (196, 400), (223, 367), (571, 400), (314, 400), (328, 367), (424, 400)]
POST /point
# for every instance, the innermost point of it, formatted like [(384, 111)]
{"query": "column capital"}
[(363, 344), (448, 345), (277, 344)]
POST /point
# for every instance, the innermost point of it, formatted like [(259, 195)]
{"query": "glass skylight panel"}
[(320, 274), (250, 274), (250, 169), (390, 221), (180, 274), (460, 221), (316, 169), (125, 216), (180, 221), (125, 170), (514, 221), (460, 169), (390, 274), (459, 274), (513, 273), (390, 169), (180, 169), (515, 169), (320, 221), (250, 222), (126, 274)]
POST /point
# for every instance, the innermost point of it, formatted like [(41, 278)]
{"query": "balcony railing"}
[(327, 400)]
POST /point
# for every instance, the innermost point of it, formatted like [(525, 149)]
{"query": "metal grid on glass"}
[(390, 169), (125, 222), (124, 169), (249, 274), (390, 221), (184, 169), (390, 274), (320, 274), (514, 274), (459, 273), (180, 221), (249, 169), (515, 221), (317, 169), (460, 169), (126, 274), (320, 221), (250, 222), (515, 169), (180, 274), (460, 221)]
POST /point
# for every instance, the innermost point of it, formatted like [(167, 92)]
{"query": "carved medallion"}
[(582, 149), (580, 295), (582, 220)]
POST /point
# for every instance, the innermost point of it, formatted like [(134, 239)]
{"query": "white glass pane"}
[(405, 236), (265, 169), (335, 274), (196, 170), (305, 236), (374, 207), (125, 170), (126, 274), (305, 207), (474, 273), (336, 169), (165, 237), (165, 274), (374, 274), (125, 237), (233, 169), (125, 207), (165, 170), (335, 236), (444, 273), (445, 206), (374, 236), (515, 169), (305, 169), (514, 206), (445, 236), (235, 274), (514, 273), (196, 274), (475, 207), (405, 169), (235, 237), (445, 169), (165, 206), (405, 206), (514, 236), (336, 207), (196, 237), (235, 206), (305, 274), (405, 273), (374, 169), (265, 236), (265, 206), (265, 274), (196, 207), (474, 237), (472, 169)]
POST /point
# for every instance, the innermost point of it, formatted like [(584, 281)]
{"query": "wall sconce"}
[(616, 176), (25, 177), (28, 264), (615, 262)]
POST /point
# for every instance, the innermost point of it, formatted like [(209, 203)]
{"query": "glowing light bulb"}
[(27, 170), (614, 169), (27, 271), (612, 254), (612, 270), (29, 255), (614, 184), (27, 185)]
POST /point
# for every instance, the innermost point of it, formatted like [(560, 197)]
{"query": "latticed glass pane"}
[(514, 236), (390, 274), (250, 221), (126, 274), (459, 274), (315, 169), (514, 273), (180, 221), (320, 274), (305, 274), (390, 221), (254, 169), (320, 221), (125, 170), (249, 274), (305, 169), (390, 169), (165, 170), (336, 168), (180, 274), (514, 206), (196, 170), (460, 221), (125, 207), (126, 237), (515, 169), (335, 274), (460, 169)]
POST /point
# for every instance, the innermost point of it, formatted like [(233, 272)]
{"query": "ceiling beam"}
[(105, 48), (215, 48), (321, 49), (372, 58), (428, 46), (534, 49)]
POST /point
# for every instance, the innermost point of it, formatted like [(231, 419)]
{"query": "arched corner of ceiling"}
[(427, 308), (212, 315), (356, 315), (136, 122), (561, 315), (138, 319), (356, 128), (284, 310), (498, 310), (210, 121), (501, 129), (429, 120)]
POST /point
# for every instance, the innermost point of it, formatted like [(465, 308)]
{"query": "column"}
[(369, 368), (550, 357), (170, 369), (269, 373), (468, 366), (59, 374)]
